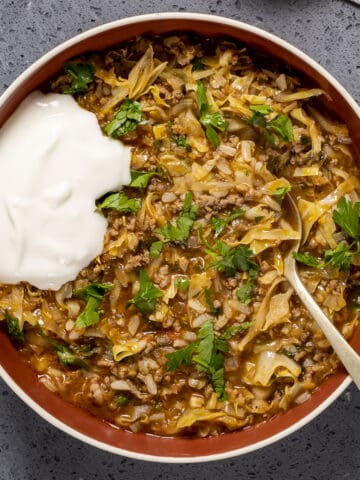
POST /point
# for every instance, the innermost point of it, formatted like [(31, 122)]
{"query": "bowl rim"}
[(148, 18)]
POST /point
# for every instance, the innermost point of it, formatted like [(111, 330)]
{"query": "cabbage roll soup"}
[(184, 324)]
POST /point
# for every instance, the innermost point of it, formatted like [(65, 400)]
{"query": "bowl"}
[(81, 424)]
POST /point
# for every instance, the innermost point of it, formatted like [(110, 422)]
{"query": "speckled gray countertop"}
[(326, 449)]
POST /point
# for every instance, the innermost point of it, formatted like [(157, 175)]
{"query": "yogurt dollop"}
[(54, 163)]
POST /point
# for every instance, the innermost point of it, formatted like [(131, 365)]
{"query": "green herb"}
[(185, 221), (93, 294), (146, 298), (339, 257), (82, 75), (181, 141), (214, 310), (180, 357), (125, 120), (207, 354), (306, 259), (234, 259), (183, 283), (244, 293), (67, 357), (120, 202), (197, 64), (155, 249), (239, 212), (210, 120), (281, 124), (122, 400), (234, 329), (218, 224), (347, 216), (280, 193), (13, 327), (141, 179)]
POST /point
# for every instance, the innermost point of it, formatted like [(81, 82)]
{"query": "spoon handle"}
[(349, 358)]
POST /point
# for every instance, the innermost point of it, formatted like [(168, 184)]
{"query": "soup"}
[(185, 324)]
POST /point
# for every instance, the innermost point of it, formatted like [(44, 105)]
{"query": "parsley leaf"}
[(214, 310), (122, 400), (206, 353), (125, 119), (82, 75), (197, 64), (185, 221), (94, 295), (234, 329), (339, 257), (218, 224), (306, 259), (262, 109), (281, 124), (120, 202), (210, 120), (347, 216), (155, 249), (180, 357), (244, 292), (280, 193), (141, 179), (234, 259), (181, 141), (13, 327), (182, 283), (145, 299), (67, 357)]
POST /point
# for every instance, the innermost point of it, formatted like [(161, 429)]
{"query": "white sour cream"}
[(54, 163)]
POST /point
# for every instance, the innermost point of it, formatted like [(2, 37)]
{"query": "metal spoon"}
[(349, 358)]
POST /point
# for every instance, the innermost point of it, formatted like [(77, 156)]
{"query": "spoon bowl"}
[(349, 358)]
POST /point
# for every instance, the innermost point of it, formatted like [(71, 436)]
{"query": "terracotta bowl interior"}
[(81, 421)]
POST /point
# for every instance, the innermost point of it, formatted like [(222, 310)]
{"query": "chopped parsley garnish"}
[(180, 232), (281, 124), (244, 293), (122, 400), (181, 141), (197, 64), (219, 224), (213, 310), (67, 357), (120, 202), (346, 216), (340, 257), (234, 259), (155, 249), (93, 294), (306, 259), (146, 298), (183, 283), (212, 121), (13, 327), (82, 75), (207, 353), (141, 179), (125, 120), (280, 193)]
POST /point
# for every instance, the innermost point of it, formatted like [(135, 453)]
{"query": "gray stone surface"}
[(328, 448)]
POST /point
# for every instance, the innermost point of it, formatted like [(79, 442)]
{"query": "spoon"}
[(349, 358)]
